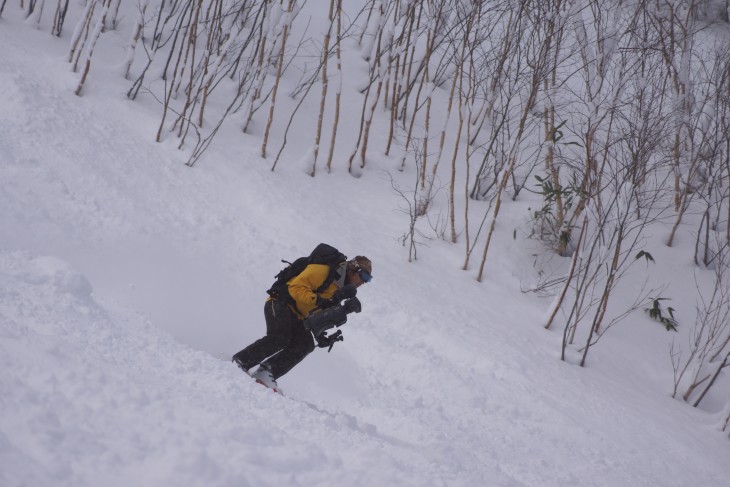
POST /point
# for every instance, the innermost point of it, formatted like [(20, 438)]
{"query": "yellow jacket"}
[(302, 287)]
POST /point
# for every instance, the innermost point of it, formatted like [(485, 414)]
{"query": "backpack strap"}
[(332, 276)]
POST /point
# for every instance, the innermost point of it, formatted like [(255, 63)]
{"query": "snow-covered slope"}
[(125, 278)]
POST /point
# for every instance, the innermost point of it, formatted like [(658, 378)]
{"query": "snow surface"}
[(127, 280)]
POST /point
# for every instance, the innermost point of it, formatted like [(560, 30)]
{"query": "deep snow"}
[(127, 279)]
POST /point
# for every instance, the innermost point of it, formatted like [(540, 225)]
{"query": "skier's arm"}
[(302, 287)]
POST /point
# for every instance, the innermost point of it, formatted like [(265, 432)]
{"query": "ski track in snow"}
[(112, 248)]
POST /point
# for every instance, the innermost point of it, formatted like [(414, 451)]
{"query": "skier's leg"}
[(300, 346), (279, 319)]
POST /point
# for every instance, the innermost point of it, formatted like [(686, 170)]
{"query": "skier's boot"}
[(264, 377)]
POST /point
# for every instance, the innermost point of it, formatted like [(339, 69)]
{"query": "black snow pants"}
[(286, 341)]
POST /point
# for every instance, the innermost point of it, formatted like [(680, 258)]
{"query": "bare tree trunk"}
[(339, 87), (280, 67), (426, 134), (408, 63), (431, 41), (260, 76), (135, 38), (724, 364), (374, 104), (113, 20), (58, 18), (569, 277), (189, 101), (393, 106), (325, 81), (607, 288), (367, 21), (362, 125), (368, 124), (457, 143), (82, 30), (206, 77), (611, 278), (410, 126), (511, 165), (727, 168), (467, 150), (92, 45), (169, 90)]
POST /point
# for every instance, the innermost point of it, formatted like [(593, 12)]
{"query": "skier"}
[(287, 340)]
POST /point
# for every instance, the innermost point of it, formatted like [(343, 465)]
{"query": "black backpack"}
[(322, 254)]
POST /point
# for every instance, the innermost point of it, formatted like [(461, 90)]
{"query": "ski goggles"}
[(364, 275)]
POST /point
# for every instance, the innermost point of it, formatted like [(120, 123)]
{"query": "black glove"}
[(352, 305), (323, 303), (329, 341), (345, 292)]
